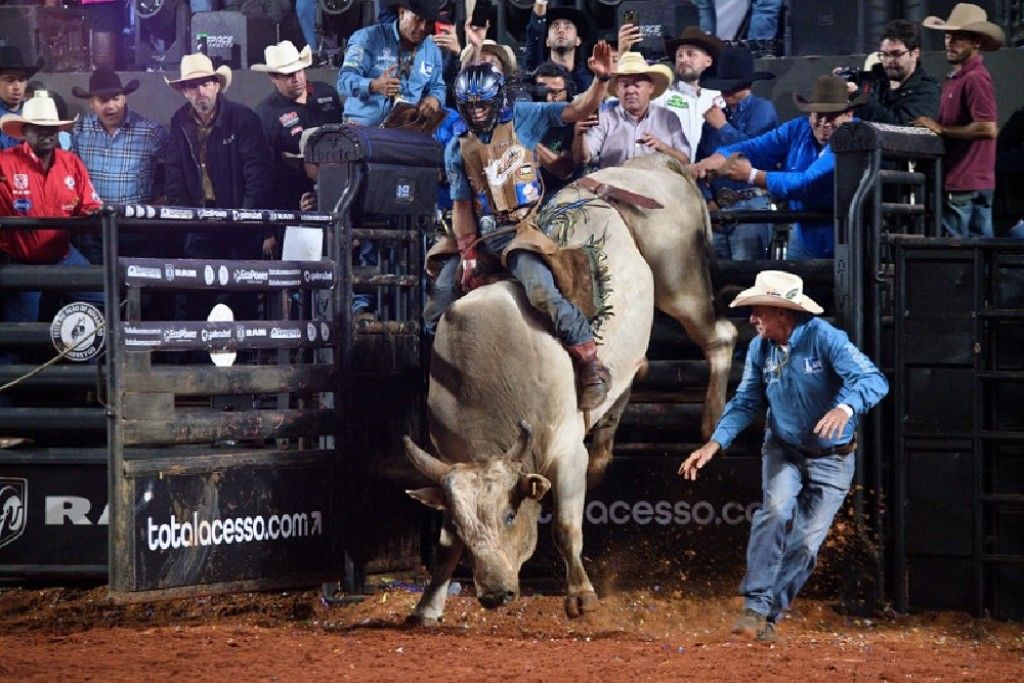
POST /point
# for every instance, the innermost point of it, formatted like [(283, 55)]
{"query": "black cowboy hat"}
[(104, 82), (829, 97), (586, 29), (733, 69), (692, 35), (12, 59), (424, 9)]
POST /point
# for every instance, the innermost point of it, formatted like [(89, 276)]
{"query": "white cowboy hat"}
[(38, 110), (284, 58), (633, 63), (502, 52), (777, 288), (198, 66), (970, 19)]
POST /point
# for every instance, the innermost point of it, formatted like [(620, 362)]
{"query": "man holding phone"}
[(693, 51), (556, 34)]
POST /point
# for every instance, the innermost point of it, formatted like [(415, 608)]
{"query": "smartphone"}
[(441, 28), (483, 12), (631, 16)]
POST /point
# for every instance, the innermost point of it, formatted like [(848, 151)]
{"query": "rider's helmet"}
[(480, 86)]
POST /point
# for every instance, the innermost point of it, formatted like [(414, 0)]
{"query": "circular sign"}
[(80, 329)]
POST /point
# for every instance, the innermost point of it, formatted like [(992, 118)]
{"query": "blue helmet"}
[(480, 84)]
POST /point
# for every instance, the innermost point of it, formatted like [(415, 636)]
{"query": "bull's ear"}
[(432, 497), (533, 486)]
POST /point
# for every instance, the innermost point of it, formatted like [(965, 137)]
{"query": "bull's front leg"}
[(567, 530), (430, 608)]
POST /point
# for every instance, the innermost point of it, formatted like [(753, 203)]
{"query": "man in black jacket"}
[(905, 91)]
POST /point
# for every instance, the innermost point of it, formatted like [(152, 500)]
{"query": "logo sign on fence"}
[(79, 330), (13, 503)]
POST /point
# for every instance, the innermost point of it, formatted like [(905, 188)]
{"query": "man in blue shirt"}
[(816, 384), (800, 149), (393, 61), (15, 71), (745, 116), (496, 192)]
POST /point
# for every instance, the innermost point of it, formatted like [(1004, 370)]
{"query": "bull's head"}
[(493, 505)]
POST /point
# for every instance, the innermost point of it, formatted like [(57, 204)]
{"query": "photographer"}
[(898, 86)]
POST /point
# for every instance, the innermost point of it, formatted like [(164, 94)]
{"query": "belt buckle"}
[(727, 197), (488, 224)]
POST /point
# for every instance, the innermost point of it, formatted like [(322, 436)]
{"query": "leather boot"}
[(593, 375)]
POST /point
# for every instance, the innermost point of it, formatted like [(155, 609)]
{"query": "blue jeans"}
[(745, 241), (305, 10), (967, 214), (764, 18), (801, 496)]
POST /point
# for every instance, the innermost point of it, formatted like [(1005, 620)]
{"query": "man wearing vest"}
[(496, 192)]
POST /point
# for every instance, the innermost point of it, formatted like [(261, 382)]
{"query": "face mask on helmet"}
[(480, 96)]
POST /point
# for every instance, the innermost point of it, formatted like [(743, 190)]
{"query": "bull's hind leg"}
[(430, 608), (567, 530), (602, 440)]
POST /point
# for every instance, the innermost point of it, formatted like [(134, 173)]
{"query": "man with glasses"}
[(800, 150), (554, 151), (906, 91)]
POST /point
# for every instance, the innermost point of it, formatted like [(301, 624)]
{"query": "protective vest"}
[(504, 175)]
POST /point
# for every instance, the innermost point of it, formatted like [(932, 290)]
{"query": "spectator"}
[(501, 56), (297, 105), (561, 31), (967, 121), (15, 71), (800, 146), (393, 61), (634, 126), (554, 150), (761, 32), (915, 94), (33, 87), (745, 116), (122, 150), (40, 180), (693, 51)]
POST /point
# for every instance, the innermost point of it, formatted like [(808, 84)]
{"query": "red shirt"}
[(26, 190), (967, 96)]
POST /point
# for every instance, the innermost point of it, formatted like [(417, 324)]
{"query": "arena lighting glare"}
[(336, 6), (148, 8)]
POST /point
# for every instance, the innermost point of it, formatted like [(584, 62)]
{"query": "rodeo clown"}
[(496, 192), (816, 384)]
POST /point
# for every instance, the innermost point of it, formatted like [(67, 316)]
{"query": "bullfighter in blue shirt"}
[(816, 384)]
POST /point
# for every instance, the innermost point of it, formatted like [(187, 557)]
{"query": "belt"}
[(728, 196), (839, 449)]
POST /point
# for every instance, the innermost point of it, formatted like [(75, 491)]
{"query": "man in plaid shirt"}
[(121, 149)]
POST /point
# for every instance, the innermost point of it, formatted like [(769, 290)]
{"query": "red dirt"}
[(68, 634)]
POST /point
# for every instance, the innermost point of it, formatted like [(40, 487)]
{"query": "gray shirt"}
[(615, 138)]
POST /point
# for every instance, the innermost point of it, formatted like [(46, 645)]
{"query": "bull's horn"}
[(523, 444), (427, 465)]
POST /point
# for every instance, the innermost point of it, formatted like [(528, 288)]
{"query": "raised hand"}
[(600, 62)]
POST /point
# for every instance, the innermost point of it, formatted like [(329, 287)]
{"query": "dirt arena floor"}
[(74, 634)]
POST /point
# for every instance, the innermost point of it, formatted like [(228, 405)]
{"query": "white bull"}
[(496, 369)]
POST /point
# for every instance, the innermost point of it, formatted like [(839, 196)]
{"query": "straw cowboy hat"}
[(732, 70), (39, 110), (13, 59), (198, 66), (692, 35), (777, 288), (284, 58), (104, 82), (970, 19), (502, 52), (830, 96), (634, 64)]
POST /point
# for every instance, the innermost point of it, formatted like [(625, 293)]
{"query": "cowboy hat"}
[(284, 58), (970, 19), (586, 29), (777, 288), (829, 97), (426, 10), (104, 82), (39, 110), (502, 52), (733, 69), (12, 59), (634, 64), (197, 67), (692, 35)]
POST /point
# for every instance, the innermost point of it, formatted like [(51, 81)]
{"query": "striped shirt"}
[(123, 165)]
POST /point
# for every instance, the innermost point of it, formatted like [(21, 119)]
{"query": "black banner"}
[(227, 275), (225, 336), (236, 524), (183, 213)]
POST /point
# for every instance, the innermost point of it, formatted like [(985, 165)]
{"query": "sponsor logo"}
[(240, 333), (250, 275), (13, 508), (404, 192), (222, 275), (22, 204), (20, 181), (193, 531), (69, 182), (325, 331), (311, 331), (78, 331), (214, 335), (144, 272), (813, 365), (255, 332), (130, 329), (208, 275), (178, 214), (317, 275), (180, 335), (214, 214), (169, 272), (285, 333), (247, 215), (225, 42), (141, 342), (61, 510), (665, 513), (289, 119), (283, 216)]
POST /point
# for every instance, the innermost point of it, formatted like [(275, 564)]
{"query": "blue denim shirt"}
[(805, 175), (821, 370), (752, 116), (371, 51)]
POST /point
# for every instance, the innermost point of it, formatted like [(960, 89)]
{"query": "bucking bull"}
[(502, 400)]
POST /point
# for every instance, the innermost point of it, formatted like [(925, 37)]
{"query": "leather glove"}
[(467, 252)]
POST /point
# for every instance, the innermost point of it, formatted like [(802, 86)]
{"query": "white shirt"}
[(682, 100)]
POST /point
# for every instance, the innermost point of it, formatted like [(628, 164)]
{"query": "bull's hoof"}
[(578, 604), (420, 621)]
